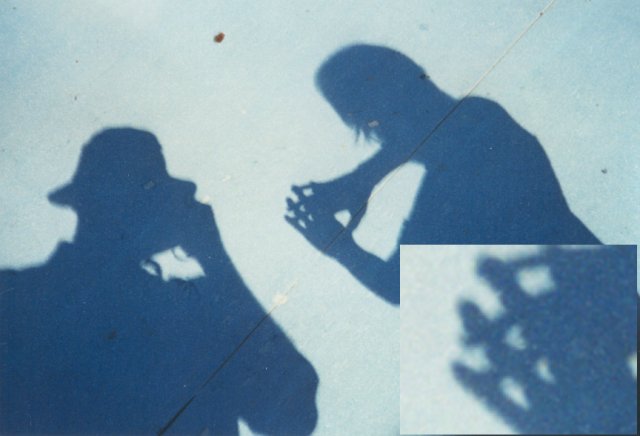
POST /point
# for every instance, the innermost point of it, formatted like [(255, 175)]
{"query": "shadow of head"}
[(121, 187), (378, 91), (105, 307)]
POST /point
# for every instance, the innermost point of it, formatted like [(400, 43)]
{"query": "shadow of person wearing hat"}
[(102, 339), (488, 181)]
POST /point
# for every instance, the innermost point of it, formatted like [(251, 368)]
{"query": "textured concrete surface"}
[(243, 120)]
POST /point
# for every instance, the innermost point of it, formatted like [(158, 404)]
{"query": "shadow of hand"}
[(312, 213), (557, 353)]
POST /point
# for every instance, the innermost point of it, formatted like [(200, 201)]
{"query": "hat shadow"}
[(142, 324)]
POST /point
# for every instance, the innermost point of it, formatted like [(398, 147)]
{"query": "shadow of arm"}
[(381, 277)]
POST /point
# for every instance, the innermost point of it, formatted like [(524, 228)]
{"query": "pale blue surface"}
[(244, 122)]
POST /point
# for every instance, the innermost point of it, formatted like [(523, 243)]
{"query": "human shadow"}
[(558, 354), (110, 337), (488, 181)]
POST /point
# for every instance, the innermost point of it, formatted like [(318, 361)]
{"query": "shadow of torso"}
[(109, 348), (489, 182), (97, 341)]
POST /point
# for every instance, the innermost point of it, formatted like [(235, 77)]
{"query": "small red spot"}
[(219, 37)]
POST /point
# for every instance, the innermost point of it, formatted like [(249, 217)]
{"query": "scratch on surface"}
[(280, 298), (292, 285), (448, 115)]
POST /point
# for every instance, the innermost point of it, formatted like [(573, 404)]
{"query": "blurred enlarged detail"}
[(558, 353)]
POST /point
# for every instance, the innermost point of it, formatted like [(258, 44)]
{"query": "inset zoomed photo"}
[(518, 339)]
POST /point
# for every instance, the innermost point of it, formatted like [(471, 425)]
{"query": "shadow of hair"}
[(488, 180)]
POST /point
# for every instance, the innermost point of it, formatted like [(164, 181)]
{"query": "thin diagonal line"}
[(361, 209), (444, 119)]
